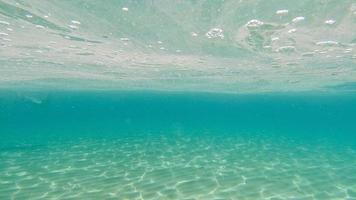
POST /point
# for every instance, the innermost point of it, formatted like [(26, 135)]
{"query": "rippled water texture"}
[(235, 46)]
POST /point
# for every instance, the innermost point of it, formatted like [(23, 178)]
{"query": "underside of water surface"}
[(185, 99), (238, 46)]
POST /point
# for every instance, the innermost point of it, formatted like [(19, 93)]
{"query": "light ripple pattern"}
[(176, 146), (179, 167)]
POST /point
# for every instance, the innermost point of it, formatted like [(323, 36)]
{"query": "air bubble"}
[(267, 47), (254, 23), (282, 12), (274, 39), (75, 22), (215, 33), (330, 22), (298, 19), (73, 27), (40, 26), (292, 30)]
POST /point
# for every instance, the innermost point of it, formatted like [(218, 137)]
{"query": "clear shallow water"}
[(286, 131), (146, 145)]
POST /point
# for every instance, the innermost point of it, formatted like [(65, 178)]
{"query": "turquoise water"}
[(235, 46), (154, 145), (178, 99)]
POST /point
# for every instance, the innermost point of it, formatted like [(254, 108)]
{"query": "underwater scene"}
[(183, 99)]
